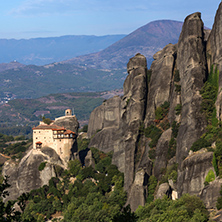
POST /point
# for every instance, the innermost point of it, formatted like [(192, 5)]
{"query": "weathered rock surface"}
[(191, 63), (214, 52), (138, 190), (210, 193), (69, 122), (26, 176), (161, 153), (104, 116), (163, 190), (161, 80), (194, 170), (119, 120)]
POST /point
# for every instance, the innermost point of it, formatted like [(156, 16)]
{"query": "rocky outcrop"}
[(161, 80), (161, 153), (210, 193), (162, 190), (104, 116), (191, 63), (139, 190), (119, 121), (25, 176), (69, 122), (194, 170), (214, 51)]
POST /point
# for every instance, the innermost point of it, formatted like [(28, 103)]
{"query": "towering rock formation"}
[(120, 122), (178, 74), (161, 84), (214, 52), (191, 63)]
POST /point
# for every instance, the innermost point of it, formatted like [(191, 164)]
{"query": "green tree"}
[(7, 211), (74, 167)]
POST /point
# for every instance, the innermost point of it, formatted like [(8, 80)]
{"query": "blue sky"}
[(46, 18)]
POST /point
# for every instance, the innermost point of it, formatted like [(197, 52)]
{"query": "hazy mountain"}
[(41, 51), (82, 74), (146, 40)]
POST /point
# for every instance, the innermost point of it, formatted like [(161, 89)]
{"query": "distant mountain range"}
[(146, 40), (41, 51), (101, 71)]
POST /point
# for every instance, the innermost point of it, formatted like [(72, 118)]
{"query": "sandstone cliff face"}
[(191, 63)]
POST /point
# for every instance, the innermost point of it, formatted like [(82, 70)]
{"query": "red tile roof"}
[(39, 142), (69, 132)]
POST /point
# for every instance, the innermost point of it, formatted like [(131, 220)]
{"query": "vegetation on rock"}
[(162, 110), (42, 166), (187, 208)]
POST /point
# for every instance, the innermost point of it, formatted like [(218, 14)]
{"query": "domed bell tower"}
[(68, 112)]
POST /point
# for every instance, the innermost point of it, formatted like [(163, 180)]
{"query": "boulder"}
[(25, 176), (210, 193), (162, 190), (194, 169)]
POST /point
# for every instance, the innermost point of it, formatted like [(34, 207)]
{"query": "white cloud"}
[(47, 7), (33, 7)]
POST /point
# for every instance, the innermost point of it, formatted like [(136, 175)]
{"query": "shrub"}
[(85, 128), (82, 144), (46, 120), (159, 113), (210, 176), (209, 95), (42, 166), (175, 129), (178, 109), (177, 76), (200, 143), (171, 173), (162, 110), (154, 133), (152, 154), (215, 165), (178, 88), (74, 167), (172, 148), (152, 183), (165, 124)]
